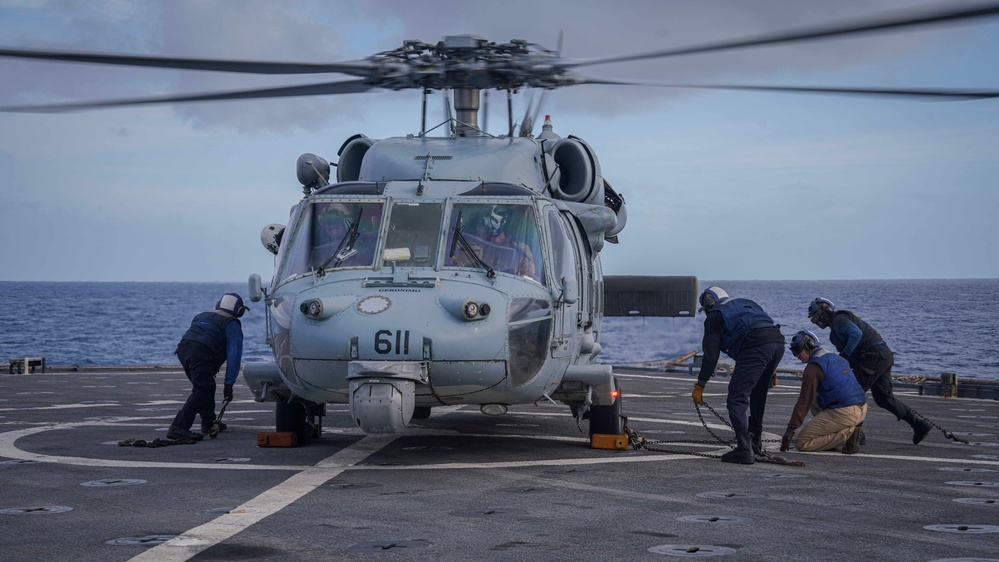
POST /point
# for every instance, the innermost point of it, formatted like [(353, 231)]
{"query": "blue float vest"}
[(839, 388), (740, 316), (208, 328)]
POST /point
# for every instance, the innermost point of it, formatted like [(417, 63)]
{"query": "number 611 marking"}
[(383, 342)]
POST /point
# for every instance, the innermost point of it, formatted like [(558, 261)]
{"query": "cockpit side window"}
[(503, 236), (301, 245), (563, 264)]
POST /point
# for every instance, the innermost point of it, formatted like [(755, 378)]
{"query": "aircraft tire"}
[(291, 416), (606, 420), (421, 412)]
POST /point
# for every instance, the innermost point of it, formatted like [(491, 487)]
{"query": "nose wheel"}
[(298, 418)]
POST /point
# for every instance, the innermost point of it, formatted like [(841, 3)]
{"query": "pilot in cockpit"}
[(334, 232), (494, 227)]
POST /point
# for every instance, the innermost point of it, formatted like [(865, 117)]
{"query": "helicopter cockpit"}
[(481, 232)]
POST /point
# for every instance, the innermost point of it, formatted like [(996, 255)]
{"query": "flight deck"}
[(462, 485)]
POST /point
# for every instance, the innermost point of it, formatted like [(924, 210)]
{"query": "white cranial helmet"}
[(270, 237)]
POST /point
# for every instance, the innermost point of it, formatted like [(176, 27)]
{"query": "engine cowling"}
[(578, 177), (351, 155)]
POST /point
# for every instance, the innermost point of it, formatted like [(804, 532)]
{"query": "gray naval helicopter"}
[(459, 269), (464, 268)]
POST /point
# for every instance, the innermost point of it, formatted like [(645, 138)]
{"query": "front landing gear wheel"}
[(293, 417), (607, 420)]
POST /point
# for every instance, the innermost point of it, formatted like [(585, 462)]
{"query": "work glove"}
[(785, 442), (227, 392), (773, 380), (698, 394)]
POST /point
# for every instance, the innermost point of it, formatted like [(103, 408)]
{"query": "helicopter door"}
[(565, 284)]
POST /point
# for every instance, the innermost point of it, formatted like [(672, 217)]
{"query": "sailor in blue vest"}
[(747, 334), (869, 357), (214, 338), (828, 381)]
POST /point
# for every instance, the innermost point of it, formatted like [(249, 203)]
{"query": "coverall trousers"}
[(750, 383), (830, 428), (873, 372), (200, 367)]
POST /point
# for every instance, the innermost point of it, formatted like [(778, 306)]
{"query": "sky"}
[(723, 185)]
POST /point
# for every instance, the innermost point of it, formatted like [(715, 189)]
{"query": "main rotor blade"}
[(929, 94), (328, 88), (355, 68), (816, 32)]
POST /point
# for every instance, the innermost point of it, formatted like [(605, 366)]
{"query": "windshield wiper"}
[(349, 238), (458, 239)]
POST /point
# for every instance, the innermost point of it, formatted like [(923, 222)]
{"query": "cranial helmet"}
[(231, 303), (495, 221), (804, 340), (820, 312), (710, 297), (335, 214), (271, 236)]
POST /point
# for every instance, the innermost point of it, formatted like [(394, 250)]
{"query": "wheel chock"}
[(277, 439), (613, 442)]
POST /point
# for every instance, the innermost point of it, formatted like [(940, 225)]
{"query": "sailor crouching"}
[(215, 337), (829, 384)]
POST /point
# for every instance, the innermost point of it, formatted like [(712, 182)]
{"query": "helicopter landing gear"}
[(607, 420), (299, 418)]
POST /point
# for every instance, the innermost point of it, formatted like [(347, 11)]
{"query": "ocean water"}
[(933, 326)]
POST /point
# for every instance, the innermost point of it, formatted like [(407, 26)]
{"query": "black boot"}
[(743, 453), (177, 433), (222, 427), (853, 443), (920, 427), (757, 443)]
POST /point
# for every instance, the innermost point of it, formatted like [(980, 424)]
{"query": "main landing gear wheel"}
[(607, 420), (421, 412), (294, 417)]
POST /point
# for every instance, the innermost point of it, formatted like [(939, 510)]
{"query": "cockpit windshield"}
[(333, 235), (503, 238), (337, 234)]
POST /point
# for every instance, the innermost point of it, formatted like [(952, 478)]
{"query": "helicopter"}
[(463, 268)]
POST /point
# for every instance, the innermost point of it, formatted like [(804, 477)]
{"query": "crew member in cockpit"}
[(494, 228), (335, 222)]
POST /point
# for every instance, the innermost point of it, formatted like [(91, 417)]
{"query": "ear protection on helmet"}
[(710, 297), (231, 303), (820, 304), (820, 312), (804, 340)]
